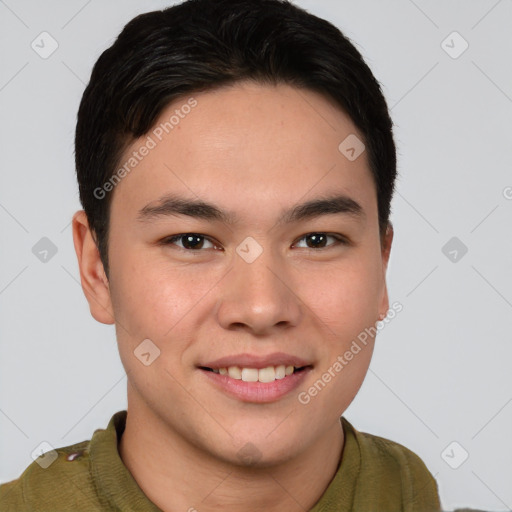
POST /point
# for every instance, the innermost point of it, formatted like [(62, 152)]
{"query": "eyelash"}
[(171, 239)]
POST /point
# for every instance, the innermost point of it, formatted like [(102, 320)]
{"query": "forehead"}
[(247, 145)]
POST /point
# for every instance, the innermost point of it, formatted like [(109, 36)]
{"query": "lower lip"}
[(258, 392)]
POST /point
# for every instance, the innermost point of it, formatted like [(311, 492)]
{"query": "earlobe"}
[(92, 274)]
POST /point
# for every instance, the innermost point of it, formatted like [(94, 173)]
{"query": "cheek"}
[(344, 296), (338, 380), (149, 298), (164, 303), (350, 315)]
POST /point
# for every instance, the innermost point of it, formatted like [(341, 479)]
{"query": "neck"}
[(177, 475)]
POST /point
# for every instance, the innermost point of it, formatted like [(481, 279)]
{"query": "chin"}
[(265, 448)]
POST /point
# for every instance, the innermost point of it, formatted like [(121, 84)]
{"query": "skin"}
[(252, 149)]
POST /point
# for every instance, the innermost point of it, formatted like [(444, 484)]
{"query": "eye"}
[(319, 239), (194, 242), (191, 241)]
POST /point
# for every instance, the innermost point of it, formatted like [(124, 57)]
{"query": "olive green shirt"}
[(374, 475)]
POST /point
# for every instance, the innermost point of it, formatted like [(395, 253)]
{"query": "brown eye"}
[(319, 240), (189, 241)]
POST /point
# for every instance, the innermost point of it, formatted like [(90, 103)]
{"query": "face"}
[(244, 284)]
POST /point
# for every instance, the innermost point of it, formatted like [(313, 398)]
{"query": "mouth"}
[(256, 385), (263, 375)]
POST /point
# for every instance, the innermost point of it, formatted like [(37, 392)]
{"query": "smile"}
[(254, 385), (268, 374)]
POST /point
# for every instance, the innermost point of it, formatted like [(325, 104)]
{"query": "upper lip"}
[(255, 361)]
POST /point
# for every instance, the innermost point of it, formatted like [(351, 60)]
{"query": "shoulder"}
[(393, 454), (59, 479), (394, 469)]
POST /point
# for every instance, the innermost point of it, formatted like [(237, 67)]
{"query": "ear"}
[(386, 250), (92, 274)]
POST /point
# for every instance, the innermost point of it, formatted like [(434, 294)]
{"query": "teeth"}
[(268, 374), (280, 372), (234, 372), (250, 374)]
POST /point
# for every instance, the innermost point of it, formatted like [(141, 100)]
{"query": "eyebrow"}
[(173, 205)]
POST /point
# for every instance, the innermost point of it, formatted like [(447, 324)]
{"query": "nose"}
[(259, 296)]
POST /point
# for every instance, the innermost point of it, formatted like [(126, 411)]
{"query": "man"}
[(236, 166)]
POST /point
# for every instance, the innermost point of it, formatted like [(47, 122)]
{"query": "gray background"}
[(441, 369)]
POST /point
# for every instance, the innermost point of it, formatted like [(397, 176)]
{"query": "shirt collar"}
[(116, 487)]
